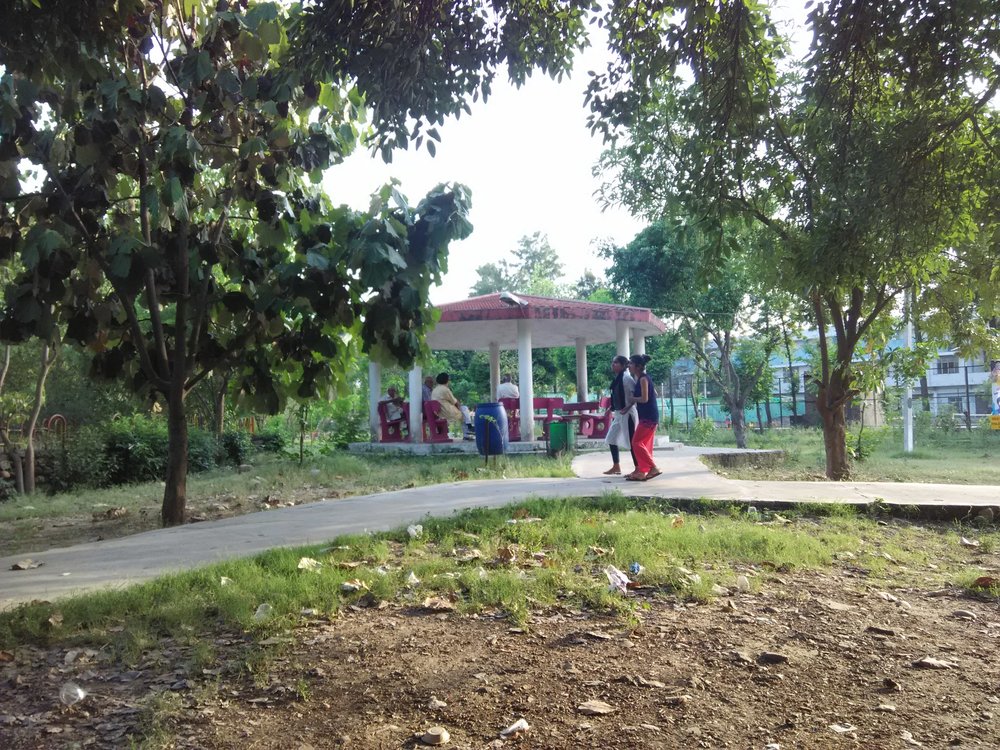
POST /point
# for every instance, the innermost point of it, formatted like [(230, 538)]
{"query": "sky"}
[(527, 157)]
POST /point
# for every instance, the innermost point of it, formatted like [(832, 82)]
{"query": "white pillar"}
[(374, 391), (621, 337), (526, 385), (416, 386), (638, 341), (494, 369), (581, 370), (908, 395)]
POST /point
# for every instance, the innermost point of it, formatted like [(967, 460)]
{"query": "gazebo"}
[(518, 321)]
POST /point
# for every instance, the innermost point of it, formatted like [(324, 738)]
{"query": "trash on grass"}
[(262, 613), (515, 729), (308, 563), (415, 531), (71, 693), (618, 581)]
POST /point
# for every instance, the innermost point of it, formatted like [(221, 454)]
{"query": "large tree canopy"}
[(159, 178), (664, 268), (867, 161)]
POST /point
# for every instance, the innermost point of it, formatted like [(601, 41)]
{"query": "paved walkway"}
[(118, 562)]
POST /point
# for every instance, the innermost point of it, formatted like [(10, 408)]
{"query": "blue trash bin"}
[(491, 429)]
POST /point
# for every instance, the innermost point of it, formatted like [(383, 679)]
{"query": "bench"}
[(435, 426), (393, 430), (593, 417), (512, 406), (549, 405)]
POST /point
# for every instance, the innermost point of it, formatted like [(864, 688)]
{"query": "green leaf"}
[(203, 67), (39, 244), (269, 33), (317, 259), (259, 14)]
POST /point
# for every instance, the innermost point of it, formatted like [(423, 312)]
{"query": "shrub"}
[(86, 463), (348, 421), (271, 440), (136, 450), (235, 447), (701, 431), (861, 444), (944, 420)]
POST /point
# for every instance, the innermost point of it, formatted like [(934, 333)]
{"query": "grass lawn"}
[(511, 559), (489, 608), (952, 458), (44, 521)]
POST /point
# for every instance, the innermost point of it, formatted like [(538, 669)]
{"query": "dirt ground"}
[(812, 660)]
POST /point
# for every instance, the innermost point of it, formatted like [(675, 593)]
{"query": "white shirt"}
[(507, 390), (393, 411)]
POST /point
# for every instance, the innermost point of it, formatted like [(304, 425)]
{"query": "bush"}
[(348, 421), (271, 440), (861, 444), (701, 431), (944, 420), (136, 450), (86, 462), (235, 446)]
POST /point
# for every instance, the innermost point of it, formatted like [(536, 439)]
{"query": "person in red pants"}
[(644, 398)]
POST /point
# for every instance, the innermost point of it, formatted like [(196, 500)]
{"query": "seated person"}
[(507, 389), (428, 388), (451, 408), (393, 405)]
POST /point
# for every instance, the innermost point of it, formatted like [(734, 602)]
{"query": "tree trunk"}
[(175, 494), (760, 418), (219, 408), (18, 462), (793, 380), (925, 397), (767, 411), (44, 366), (739, 425), (834, 432)]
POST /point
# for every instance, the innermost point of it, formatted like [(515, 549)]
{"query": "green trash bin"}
[(562, 438)]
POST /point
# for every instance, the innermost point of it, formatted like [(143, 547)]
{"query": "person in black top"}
[(644, 397), (624, 415)]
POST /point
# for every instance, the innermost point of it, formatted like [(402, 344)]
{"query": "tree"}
[(534, 269), (177, 228), (865, 161), (663, 268), (20, 408), (588, 286)]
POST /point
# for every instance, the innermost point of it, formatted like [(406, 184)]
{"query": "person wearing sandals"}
[(644, 398), (623, 417)]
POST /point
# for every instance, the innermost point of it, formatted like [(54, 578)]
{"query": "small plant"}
[(702, 431), (235, 446)]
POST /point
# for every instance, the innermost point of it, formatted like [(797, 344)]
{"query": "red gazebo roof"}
[(474, 324)]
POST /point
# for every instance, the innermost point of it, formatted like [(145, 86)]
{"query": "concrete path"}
[(119, 562)]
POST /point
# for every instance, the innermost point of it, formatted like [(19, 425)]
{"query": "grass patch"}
[(949, 458), (482, 561)]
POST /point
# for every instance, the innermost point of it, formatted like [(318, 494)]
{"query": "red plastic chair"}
[(512, 406), (435, 427), (393, 430)]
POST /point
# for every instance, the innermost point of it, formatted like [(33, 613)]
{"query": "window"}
[(947, 367)]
